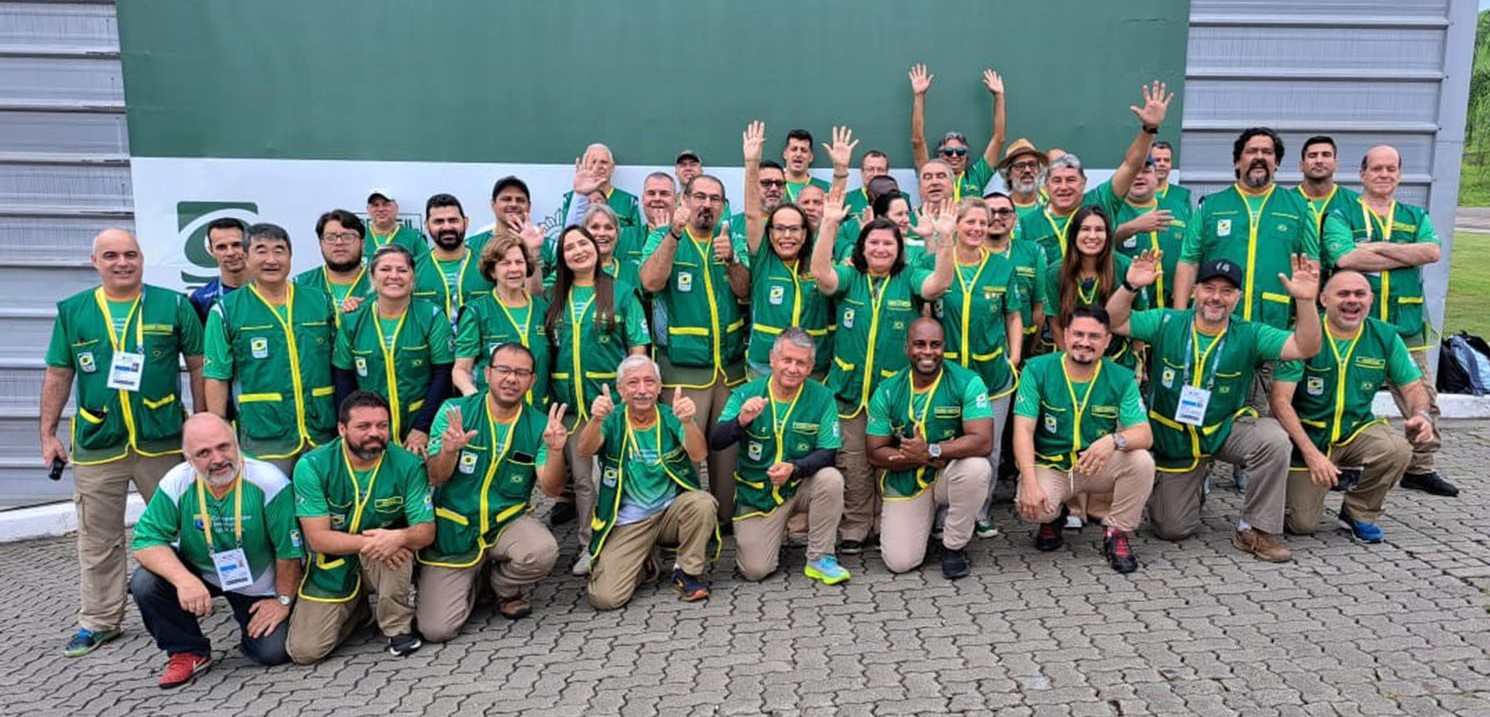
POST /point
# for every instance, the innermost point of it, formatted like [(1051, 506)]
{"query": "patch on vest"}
[(86, 362), (467, 462), (1314, 385), (258, 346), (1223, 228), (1166, 377), (685, 281), (778, 294), (754, 450), (361, 363), (1370, 362), (1050, 424), (848, 318), (609, 477)]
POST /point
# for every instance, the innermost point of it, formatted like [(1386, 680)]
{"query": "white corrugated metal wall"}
[(1365, 72)]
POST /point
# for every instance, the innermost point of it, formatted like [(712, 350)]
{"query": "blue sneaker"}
[(1363, 531), (86, 641), (827, 570)]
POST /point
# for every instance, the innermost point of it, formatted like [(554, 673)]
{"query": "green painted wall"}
[(536, 80)]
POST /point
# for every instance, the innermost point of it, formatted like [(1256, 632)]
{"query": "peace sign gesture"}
[(554, 435), (455, 436)]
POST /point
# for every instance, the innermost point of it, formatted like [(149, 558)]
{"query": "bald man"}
[(123, 341)]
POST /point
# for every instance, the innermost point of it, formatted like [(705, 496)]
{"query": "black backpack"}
[(1464, 365)]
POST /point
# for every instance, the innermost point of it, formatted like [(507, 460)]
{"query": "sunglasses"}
[(773, 183), (1001, 212), (953, 151)]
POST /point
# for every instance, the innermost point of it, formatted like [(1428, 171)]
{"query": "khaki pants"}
[(758, 537), (689, 523), (1000, 408), (721, 464), (906, 522), (582, 473), (316, 628), (101, 491), (1381, 452), (1422, 456), (1256, 445), (861, 497), (523, 554), (1128, 477)]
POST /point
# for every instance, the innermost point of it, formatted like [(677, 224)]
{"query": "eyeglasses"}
[(1026, 164), (1001, 212), (786, 228), (702, 198), (341, 237), (953, 151), (510, 371), (778, 183)]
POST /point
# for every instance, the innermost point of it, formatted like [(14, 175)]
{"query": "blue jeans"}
[(176, 630)]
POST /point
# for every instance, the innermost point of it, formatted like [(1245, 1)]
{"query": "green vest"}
[(705, 323), (1178, 195), (1398, 292), (1160, 294), (1225, 229), (1333, 405), (403, 236), (490, 487), (279, 417), (780, 298), (1120, 349), (971, 181), (111, 421), (627, 207), (498, 325), (1028, 259), (1339, 199), (585, 361), (405, 380), (336, 578), (972, 317), (1227, 373), (941, 421), (760, 449), (613, 457), (869, 343), (318, 279), (856, 201), (1062, 432), (429, 282)]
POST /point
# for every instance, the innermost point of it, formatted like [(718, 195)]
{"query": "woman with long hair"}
[(508, 313), (1086, 276), (783, 293)]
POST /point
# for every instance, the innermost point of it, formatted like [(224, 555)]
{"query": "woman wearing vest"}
[(620, 251), (593, 322), (398, 348), (782, 292), (512, 312), (978, 315), (878, 295), (894, 206)]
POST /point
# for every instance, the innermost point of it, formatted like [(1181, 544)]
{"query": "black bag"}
[(1464, 365)]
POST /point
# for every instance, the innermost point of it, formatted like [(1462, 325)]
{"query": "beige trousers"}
[(523, 554), (906, 522), (1127, 477), (758, 538), (861, 497), (101, 491), (582, 474), (1256, 445), (316, 628), (1422, 456), (689, 523), (721, 464), (1380, 451)]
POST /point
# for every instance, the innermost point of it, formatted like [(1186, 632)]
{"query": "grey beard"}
[(220, 482), (1024, 188), (1256, 182)]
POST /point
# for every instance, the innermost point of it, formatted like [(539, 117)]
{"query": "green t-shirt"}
[(973, 397), (392, 488), (972, 181), (649, 489), (794, 188), (403, 236)]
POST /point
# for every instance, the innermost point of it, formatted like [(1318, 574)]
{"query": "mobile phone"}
[(1349, 476)]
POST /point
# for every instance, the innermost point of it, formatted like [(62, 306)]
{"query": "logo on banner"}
[(192, 219)]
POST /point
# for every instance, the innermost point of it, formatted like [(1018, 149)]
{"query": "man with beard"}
[(1199, 375), (225, 244), (1318, 162), (342, 275), (511, 208), (1163, 155), (218, 525), (700, 281), (874, 164), (1023, 171), (599, 162), (649, 488), (953, 149), (450, 275), (385, 228), (1391, 242), (788, 462), (122, 342), (268, 349), (1338, 443), (1059, 454), (797, 156), (1065, 180), (365, 508), (930, 429), (486, 451), (1146, 221)]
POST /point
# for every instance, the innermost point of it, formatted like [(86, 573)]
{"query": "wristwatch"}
[(1120, 442), (935, 451), (1151, 129), (284, 600)]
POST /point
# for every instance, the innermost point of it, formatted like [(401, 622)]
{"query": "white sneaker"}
[(582, 565), (1073, 523)]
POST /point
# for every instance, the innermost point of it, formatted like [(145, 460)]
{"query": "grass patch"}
[(1467, 307), (1474, 186)]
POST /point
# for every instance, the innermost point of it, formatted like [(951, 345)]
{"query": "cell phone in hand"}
[(1349, 476)]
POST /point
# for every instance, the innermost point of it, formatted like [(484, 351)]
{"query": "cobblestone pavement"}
[(1393, 629)]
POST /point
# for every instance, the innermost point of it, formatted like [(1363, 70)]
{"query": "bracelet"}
[(1151, 129), (1128, 286)]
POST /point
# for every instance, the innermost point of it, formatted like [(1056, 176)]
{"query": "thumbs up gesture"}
[(724, 249), (602, 405), (750, 409), (683, 406)]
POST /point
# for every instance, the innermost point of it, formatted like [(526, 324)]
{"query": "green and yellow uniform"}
[(257, 515), (795, 188), (1122, 210), (628, 209), (874, 313), (1176, 195), (1398, 292), (492, 482), (585, 360), (488, 322), (395, 357), (257, 345), (625, 264), (1048, 229), (788, 430), (856, 201), (641, 472), (404, 236), (781, 297), (1180, 355), (971, 181), (1089, 294), (848, 237), (394, 493), (450, 284), (706, 324), (1341, 199), (1334, 405), (956, 395), (89, 330), (1260, 234), (972, 315), (336, 292), (1069, 416), (1029, 273)]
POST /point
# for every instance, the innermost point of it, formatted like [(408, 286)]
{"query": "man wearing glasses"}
[(953, 149), (343, 272)]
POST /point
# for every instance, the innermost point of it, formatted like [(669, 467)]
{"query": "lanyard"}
[(1196, 359), (1088, 298), (576, 318), (633, 444), (120, 341), (326, 276), (1079, 407), (910, 403), (460, 282), (390, 351), (1386, 235), (1342, 364), (497, 458), (527, 325), (964, 356), (1060, 230), (237, 511), (360, 501), (875, 302), (778, 425), (1254, 220), (797, 290), (287, 321), (379, 243)]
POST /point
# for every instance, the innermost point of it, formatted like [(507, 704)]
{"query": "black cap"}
[(510, 181), (688, 154), (1221, 268)]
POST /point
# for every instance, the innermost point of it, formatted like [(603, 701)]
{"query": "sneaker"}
[(851, 547), (690, 588), (182, 668), (827, 570), (581, 565), (1431, 483), (936, 534), (1119, 554), (1049, 537), (562, 513), (86, 641), (954, 564), (1265, 546), (1363, 531), (515, 607), (986, 529), (401, 645), (1074, 523), (1239, 477)]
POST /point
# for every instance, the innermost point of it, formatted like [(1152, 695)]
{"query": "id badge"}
[(125, 371), (1193, 402), (232, 569)]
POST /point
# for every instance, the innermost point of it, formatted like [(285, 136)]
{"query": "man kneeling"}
[(1080, 428)]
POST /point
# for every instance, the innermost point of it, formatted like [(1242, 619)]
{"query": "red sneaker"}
[(182, 668)]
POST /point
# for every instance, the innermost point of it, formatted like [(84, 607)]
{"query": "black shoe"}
[(1431, 483), (1049, 537), (727, 527), (954, 564), (851, 547), (402, 645), (561, 514), (1119, 555)]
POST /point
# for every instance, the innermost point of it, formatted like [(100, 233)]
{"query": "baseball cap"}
[(1221, 268), (510, 181), (688, 154), (379, 192)]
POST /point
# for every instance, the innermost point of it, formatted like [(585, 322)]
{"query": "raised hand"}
[(1155, 104), (529, 232), (1304, 284), (587, 178), (993, 82), (682, 217), (602, 406), (1144, 270), (554, 435), (751, 409), (944, 222), (866, 216), (841, 151), (683, 406), (920, 79), (753, 139), (455, 436), (834, 211)]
